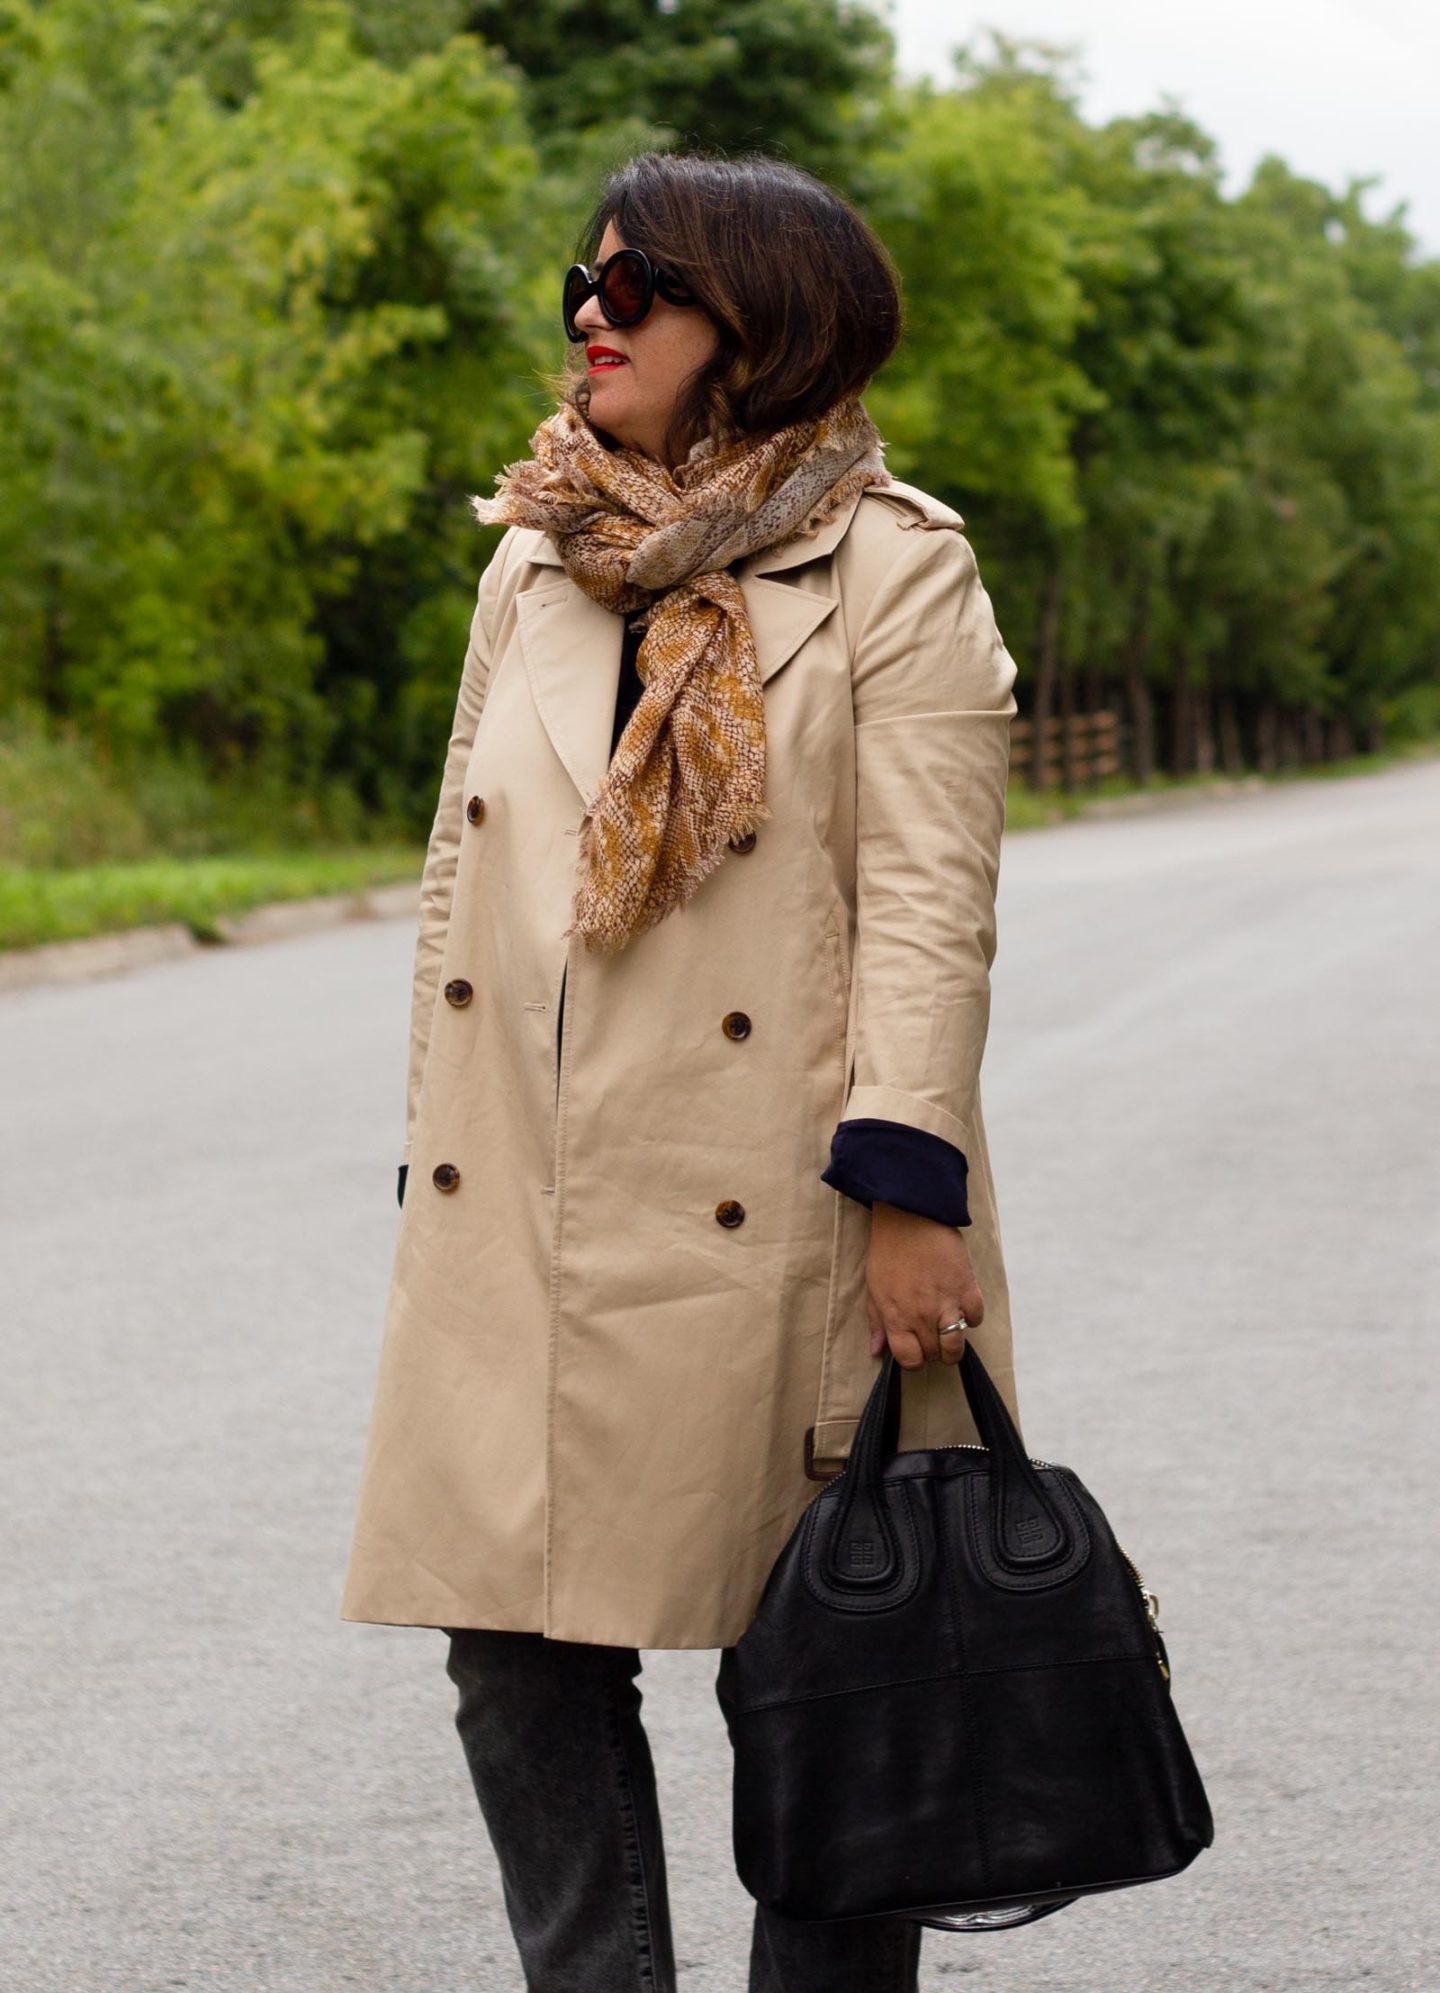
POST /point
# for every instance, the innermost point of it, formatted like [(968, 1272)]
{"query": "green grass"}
[(41, 904), (1024, 810)]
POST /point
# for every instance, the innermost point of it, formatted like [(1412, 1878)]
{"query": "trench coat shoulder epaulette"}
[(914, 506), (884, 530)]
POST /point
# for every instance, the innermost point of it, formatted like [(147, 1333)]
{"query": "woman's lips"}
[(601, 357)]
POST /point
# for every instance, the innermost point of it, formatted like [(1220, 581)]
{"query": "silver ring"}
[(959, 1323)]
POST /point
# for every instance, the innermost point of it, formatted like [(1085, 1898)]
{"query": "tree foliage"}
[(278, 288)]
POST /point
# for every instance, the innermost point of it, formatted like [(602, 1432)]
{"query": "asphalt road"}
[(1213, 1098)]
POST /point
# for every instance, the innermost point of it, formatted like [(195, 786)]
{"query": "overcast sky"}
[(1334, 86)]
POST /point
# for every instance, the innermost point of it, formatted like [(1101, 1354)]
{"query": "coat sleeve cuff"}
[(912, 1110), (886, 1162)]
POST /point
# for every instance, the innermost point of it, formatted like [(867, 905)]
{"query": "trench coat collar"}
[(572, 646)]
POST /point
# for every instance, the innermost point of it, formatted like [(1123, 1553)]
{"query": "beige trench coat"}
[(594, 1395)]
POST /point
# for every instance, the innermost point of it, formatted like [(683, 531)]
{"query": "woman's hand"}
[(918, 1276)]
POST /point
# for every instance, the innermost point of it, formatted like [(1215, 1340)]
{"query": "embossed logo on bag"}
[(864, 1554)]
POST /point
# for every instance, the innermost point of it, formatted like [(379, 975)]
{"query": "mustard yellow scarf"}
[(688, 772)]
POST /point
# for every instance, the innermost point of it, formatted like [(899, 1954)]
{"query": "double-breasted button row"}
[(735, 1024), (458, 993)]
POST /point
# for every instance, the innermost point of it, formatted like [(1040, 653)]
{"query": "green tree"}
[(803, 78), (305, 329), (278, 289), (981, 402), (1350, 435)]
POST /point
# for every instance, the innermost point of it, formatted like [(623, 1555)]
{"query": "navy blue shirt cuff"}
[(886, 1162)]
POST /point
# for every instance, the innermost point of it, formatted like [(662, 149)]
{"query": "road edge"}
[(278, 920), (95, 955)]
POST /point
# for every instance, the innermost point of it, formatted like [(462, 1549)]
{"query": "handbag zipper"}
[(969, 1446), (1150, 1600)]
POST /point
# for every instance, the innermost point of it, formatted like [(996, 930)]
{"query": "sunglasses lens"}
[(577, 286), (624, 292)]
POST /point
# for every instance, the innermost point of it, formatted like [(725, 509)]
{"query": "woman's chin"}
[(612, 395)]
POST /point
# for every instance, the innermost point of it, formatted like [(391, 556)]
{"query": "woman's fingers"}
[(919, 1276), (908, 1350), (952, 1345), (927, 1334), (919, 1340)]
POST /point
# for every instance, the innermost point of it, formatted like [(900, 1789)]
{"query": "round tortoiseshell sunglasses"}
[(626, 284)]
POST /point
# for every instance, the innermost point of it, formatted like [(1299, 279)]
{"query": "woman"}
[(701, 992)]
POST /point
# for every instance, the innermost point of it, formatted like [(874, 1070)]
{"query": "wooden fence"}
[(1078, 751)]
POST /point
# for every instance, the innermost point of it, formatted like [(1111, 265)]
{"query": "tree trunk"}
[(1046, 670), (1137, 692), (52, 653), (1202, 732), (1180, 721), (1267, 737), (1232, 752), (1068, 759)]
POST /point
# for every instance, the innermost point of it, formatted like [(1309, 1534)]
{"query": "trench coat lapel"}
[(572, 646)]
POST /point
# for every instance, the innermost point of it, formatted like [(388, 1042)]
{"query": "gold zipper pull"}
[(1151, 1602)]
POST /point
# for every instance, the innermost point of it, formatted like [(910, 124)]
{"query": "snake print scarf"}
[(688, 772)]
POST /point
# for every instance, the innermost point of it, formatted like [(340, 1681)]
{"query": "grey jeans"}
[(561, 1767)]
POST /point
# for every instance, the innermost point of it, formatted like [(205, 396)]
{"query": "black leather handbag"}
[(953, 1702)]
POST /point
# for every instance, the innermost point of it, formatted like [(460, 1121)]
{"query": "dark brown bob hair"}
[(804, 295)]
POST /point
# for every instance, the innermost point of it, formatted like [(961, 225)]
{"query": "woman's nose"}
[(590, 317)]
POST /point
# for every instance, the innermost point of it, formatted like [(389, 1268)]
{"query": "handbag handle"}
[(863, 1553)]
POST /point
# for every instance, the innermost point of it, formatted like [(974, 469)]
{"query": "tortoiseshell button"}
[(735, 1024), (445, 1176), (475, 809), (459, 992), (730, 1213), (743, 844)]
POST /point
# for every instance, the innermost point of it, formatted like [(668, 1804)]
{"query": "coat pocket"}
[(838, 972), (560, 1032), (835, 965)]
